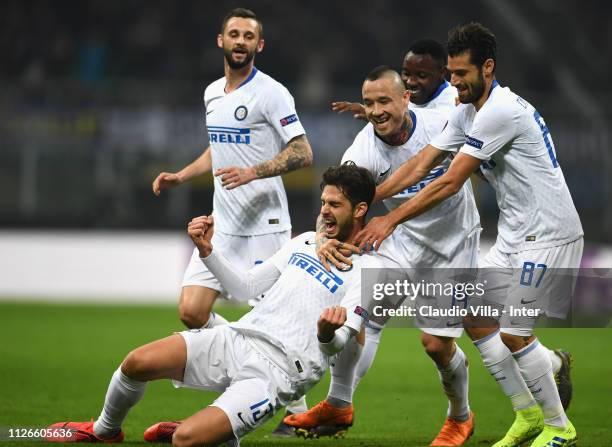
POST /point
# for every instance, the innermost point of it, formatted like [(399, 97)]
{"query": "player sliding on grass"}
[(255, 135), (538, 224), (444, 237), (261, 362)]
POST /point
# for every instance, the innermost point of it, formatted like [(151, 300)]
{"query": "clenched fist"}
[(201, 230), (331, 319)]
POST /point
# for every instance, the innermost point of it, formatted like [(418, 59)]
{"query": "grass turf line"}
[(57, 360)]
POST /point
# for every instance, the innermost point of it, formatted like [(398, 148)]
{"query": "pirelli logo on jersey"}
[(235, 135), (409, 192), (315, 269), (474, 142)]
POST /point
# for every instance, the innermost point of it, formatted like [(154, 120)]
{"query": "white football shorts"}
[(402, 252), (254, 388), (539, 279), (242, 251)]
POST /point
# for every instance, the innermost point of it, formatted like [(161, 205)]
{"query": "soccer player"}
[(260, 362), (424, 75), (444, 237), (255, 136), (538, 224)]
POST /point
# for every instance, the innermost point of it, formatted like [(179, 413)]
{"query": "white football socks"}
[(454, 378), (536, 368), (372, 339), (215, 320), (498, 360), (343, 374), (297, 406), (122, 394), (555, 360)]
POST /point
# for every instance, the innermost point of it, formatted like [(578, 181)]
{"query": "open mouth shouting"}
[(331, 226)]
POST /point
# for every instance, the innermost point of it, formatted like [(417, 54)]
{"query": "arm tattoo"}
[(296, 155)]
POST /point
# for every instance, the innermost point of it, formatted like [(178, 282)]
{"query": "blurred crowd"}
[(99, 95), (316, 47)]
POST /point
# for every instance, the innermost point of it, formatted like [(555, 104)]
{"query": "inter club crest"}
[(241, 113)]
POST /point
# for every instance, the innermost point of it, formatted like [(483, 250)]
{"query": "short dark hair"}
[(431, 47), (379, 72), (475, 38), (355, 182), (243, 13)]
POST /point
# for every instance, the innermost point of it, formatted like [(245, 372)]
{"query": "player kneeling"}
[(259, 362)]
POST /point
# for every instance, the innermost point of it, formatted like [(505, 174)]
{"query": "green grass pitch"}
[(56, 361)]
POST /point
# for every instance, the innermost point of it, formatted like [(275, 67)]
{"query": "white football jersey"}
[(520, 163), (287, 315), (442, 100), (443, 228), (250, 125)]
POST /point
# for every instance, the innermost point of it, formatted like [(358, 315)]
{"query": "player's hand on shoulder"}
[(201, 230), (233, 177), (333, 251), (331, 319), (165, 180), (355, 108), (374, 233)]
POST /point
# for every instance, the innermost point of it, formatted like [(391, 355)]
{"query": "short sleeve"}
[(280, 113), (493, 128), (452, 136)]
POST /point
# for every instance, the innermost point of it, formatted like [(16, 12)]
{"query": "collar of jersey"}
[(439, 90), (248, 79), (414, 124), (493, 85)]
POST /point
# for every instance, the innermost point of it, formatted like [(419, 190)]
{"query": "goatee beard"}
[(238, 65)]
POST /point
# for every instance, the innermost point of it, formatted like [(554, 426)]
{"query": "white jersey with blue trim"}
[(519, 161), (443, 228), (443, 100), (286, 318), (245, 127)]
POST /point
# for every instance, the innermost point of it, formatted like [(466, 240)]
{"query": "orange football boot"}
[(77, 432), (322, 420), (454, 433), (161, 432)]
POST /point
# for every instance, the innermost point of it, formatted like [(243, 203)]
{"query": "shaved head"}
[(385, 100), (387, 73)]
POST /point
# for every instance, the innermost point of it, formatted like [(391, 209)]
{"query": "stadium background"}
[(97, 97)]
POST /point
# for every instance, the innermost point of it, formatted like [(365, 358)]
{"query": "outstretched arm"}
[(199, 166), (411, 172), (379, 228), (297, 154), (357, 109)]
